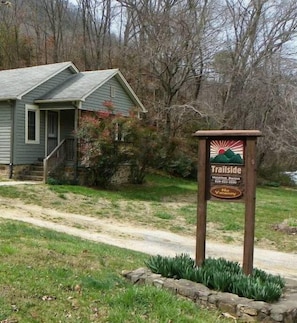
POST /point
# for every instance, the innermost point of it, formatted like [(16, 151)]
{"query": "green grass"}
[(48, 277), (169, 203), (163, 215), (292, 222), (51, 277), (156, 188)]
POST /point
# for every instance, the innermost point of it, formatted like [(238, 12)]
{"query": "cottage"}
[(40, 108)]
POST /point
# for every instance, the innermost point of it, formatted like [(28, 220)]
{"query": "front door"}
[(52, 130)]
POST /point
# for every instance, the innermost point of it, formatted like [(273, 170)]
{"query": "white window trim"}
[(112, 91), (31, 107), (119, 133)]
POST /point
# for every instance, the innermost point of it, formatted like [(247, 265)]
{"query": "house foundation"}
[(4, 171)]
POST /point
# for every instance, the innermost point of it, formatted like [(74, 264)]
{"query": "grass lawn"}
[(51, 277), (170, 204)]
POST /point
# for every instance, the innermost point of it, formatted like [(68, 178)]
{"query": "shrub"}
[(221, 275), (180, 165), (275, 176)]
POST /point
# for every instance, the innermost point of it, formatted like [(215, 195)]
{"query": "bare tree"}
[(97, 19), (170, 39), (15, 48), (55, 14), (255, 36)]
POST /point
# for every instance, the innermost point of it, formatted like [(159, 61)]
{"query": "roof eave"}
[(133, 94), (70, 64), (100, 84), (10, 98), (58, 100), (126, 85)]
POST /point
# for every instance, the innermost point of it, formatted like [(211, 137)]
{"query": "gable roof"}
[(79, 86), (15, 83)]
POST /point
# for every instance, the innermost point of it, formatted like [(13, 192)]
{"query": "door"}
[(52, 130)]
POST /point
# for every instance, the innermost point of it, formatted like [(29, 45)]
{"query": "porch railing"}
[(64, 152)]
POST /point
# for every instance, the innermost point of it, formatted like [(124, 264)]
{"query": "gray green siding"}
[(5, 133), (121, 101), (25, 153)]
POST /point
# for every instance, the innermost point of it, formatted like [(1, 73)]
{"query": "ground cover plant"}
[(170, 203), (48, 277), (220, 274)]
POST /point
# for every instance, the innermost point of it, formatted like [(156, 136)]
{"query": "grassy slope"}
[(51, 277)]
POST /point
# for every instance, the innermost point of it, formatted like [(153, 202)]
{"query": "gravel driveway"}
[(141, 239)]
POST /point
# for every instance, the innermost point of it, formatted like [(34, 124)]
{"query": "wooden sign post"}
[(227, 172)]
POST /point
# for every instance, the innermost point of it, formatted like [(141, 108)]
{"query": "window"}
[(32, 124), (112, 92), (119, 133)]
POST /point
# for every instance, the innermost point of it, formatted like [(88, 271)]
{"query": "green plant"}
[(108, 141), (53, 181), (220, 274), (274, 176), (180, 165), (170, 267), (164, 215)]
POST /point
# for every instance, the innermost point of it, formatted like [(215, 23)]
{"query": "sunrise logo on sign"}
[(226, 151)]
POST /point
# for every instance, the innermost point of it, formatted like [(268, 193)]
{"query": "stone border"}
[(239, 308)]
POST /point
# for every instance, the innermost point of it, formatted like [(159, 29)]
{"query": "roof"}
[(15, 83), (79, 86)]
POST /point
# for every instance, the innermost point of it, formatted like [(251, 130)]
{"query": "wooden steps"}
[(33, 172)]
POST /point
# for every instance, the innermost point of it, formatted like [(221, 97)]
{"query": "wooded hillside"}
[(195, 64)]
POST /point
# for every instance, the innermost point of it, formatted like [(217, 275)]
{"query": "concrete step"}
[(32, 177), (33, 173)]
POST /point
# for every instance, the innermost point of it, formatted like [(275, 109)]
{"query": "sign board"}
[(227, 172)]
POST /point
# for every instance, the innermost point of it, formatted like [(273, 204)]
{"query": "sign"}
[(227, 172), (225, 192), (226, 169)]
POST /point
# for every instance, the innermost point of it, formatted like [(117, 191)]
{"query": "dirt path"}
[(141, 239)]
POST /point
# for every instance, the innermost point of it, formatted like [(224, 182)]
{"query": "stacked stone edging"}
[(230, 305)]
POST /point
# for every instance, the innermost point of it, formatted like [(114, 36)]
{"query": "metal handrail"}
[(65, 151), (54, 159)]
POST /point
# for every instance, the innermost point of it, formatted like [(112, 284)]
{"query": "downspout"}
[(12, 106)]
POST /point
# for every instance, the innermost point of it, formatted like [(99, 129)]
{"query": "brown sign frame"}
[(248, 189)]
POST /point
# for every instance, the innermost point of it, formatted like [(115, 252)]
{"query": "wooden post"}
[(250, 205), (203, 152), (217, 182)]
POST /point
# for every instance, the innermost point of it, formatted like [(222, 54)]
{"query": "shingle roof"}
[(15, 83), (78, 86), (81, 85)]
